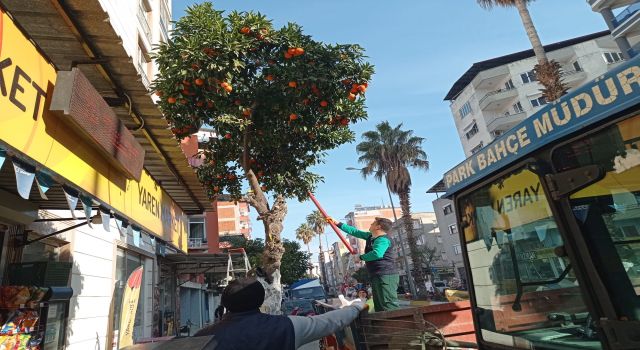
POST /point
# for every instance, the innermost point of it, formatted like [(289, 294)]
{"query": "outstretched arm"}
[(308, 329), (350, 230)]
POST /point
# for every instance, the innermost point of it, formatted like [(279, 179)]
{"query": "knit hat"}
[(243, 294)]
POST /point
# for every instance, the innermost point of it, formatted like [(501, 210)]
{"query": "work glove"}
[(361, 305), (331, 220)]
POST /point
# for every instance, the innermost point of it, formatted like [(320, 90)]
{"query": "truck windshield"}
[(526, 294), (608, 211), (308, 293)]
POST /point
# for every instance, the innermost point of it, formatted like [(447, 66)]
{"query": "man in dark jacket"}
[(379, 257), (244, 327)]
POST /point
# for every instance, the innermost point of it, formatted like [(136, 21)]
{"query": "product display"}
[(20, 316)]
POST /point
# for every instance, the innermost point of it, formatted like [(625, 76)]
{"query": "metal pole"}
[(412, 286)]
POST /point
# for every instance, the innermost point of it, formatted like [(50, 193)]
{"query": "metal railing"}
[(491, 122), (144, 22), (494, 93), (196, 242), (624, 15)]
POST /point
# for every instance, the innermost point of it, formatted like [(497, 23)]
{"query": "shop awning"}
[(80, 33)]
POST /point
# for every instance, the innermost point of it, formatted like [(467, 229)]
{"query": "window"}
[(577, 67), (528, 77), (456, 249), (509, 85), (517, 107), (447, 209), (439, 239), (475, 149), (165, 21), (509, 244), (143, 65), (472, 132), (197, 232), (540, 101), (609, 208), (465, 110), (126, 262), (416, 224), (444, 256), (612, 57), (453, 229)]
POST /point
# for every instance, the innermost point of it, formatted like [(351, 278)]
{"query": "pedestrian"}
[(364, 295), (380, 261), (245, 327)]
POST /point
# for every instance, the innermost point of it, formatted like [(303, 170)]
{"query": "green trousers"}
[(385, 292)]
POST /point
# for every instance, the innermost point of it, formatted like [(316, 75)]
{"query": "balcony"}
[(495, 98), (143, 76), (504, 122), (195, 243), (491, 78), (598, 5), (627, 22), (144, 22)]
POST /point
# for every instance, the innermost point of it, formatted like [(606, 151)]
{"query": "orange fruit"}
[(298, 51), (306, 101), (352, 97), (171, 100), (293, 116), (293, 84), (246, 112), (216, 188), (271, 62), (269, 77), (245, 30), (227, 136), (199, 82), (159, 93), (264, 188), (183, 101), (195, 66), (324, 103), (185, 92), (344, 122), (186, 83), (287, 55), (346, 81), (210, 104), (291, 51), (362, 88), (199, 103)]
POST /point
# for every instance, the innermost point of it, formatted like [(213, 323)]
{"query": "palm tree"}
[(317, 222), (305, 233), (387, 153), (548, 72)]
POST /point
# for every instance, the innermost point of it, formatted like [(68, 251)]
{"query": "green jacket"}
[(379, 246)]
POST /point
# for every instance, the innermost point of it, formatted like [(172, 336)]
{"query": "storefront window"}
[(526, 293), (126, 262), (608, 211)]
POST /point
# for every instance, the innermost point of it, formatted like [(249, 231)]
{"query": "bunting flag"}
[(136, 237), (3, 156), (25, 174), (129, 232), (541, 231), (44, 182), (152, 240), (87, 203), (162, 249), (120, 225), (105, 214), (72, 199)]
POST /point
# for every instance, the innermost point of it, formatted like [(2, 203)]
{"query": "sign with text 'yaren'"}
[(27, 82), (617, 90), (88, 113)]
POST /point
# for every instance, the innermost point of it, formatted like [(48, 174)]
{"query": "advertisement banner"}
[(130, 299)]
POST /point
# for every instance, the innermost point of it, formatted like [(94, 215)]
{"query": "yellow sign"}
[(518, 200), (26, 84), (129, 307)]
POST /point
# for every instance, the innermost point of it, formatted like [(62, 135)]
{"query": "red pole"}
[(333, 226)]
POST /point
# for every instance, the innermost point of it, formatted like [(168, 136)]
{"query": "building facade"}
[(623, 20), (495, 95), (99, 189)]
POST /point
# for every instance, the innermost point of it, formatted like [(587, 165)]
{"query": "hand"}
[(361, 305), (331, 220)]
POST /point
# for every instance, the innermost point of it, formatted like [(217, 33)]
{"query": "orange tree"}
[(277, 98)]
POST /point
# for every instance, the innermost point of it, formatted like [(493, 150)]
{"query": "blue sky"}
[(419, 48)]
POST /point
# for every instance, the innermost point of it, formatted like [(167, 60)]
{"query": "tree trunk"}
[(323, 271), (416, 256), (532, 33)]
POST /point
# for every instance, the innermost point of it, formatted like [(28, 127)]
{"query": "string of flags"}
[(27, 174)]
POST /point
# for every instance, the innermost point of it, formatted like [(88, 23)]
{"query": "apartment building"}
[(494, 95), (623, 20)]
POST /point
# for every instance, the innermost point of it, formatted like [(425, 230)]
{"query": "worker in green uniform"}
[(379, 257)]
